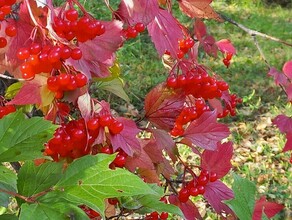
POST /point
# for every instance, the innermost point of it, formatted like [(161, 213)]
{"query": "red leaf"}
[(164, 37), (141, 160), (134, 11), (218, 161), (288, 90), (162, 165), (98, 54), (162, 106), (280, 78), (28, 94), (284, 124), (269, 208), (150, 176), (225, 46), (165, 142), (189, 209), (217, 192), (127, 139), (207, 41), (206, 132), (287, 69), (198, 9), (216, 105)]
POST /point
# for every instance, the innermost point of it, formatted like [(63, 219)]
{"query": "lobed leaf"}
[(206, 132), (23, 139), (244, 198)]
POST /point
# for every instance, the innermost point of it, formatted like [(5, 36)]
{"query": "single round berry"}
[(71, 14), (3, 42), (183, 195), (10, 31), (140, 27), (76, 54)]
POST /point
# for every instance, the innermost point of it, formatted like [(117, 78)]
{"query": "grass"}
[(258, 145)]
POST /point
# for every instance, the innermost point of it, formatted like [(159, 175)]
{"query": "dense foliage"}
[(76, 158)]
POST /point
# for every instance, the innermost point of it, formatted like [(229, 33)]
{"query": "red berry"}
[(172, 82), (183, 195), (116, 127), (180, 54), (113, 201), (213, 177), (10, 31), (120, 160), (201, 189), (140, 27), (203, 180), (81, 80), (194, 191), (71, 14), (163, 215), (105, 120), (3, 42), (76, 54), (106, 150)]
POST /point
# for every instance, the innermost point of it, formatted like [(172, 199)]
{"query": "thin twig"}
[(9, 77), (260, 50), (252, 32)]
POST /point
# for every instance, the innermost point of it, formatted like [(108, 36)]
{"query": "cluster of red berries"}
[(197, 186), (184, 46), (38, 59), (156, 216), (227, 59), (68, 25), (133, 31), (229, 107), (10, 31), (188, 114), (5, 8), (198, 83), (5, 110), (65, 82), (90, 212), (106, 120), (120, 159), (71, 140)]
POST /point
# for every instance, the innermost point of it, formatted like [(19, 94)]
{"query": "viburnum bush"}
[(76, 158)]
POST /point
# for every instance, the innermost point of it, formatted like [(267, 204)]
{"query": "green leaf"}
[(89, 181), (12, 90), (115, 86), (23, 139), (41, 211), (244, 198), (7, 182), (8, 217), (34, 179)]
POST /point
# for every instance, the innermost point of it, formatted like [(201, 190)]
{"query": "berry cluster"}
[(133, 31), (188, 114), (70, 141), (198, 83), (227, 59), (65, 82), (106, 120), (5, 110), (90, 212), (5, 8), (197, 186), (68, 25), (10, 31), (229, 107), (120, 159), (38, 59), (184, 46), (156, 216)]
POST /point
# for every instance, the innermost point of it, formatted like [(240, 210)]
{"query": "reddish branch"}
[(30, 199)]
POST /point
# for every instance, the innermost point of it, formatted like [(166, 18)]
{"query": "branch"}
[(253, 32), (9, 77)]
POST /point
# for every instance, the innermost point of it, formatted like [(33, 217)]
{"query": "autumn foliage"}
[(93, 163)]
